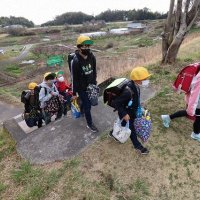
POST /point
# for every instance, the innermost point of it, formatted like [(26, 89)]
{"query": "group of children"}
[(42, 101), (53, 96)]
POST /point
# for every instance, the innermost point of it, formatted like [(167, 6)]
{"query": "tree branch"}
[(193, 12), (178, 16)]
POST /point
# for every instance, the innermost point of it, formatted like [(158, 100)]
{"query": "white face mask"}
[(61, 79), (145, 83)]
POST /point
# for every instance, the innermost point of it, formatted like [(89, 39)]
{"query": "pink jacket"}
[(193, 97)]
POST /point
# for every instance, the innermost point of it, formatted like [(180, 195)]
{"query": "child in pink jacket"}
[(193, 108)]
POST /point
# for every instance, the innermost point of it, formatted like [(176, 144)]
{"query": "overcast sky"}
[(40, 11)]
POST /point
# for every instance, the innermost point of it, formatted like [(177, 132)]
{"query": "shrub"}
[(16, 31)]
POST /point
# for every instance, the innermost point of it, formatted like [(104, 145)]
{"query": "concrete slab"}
[(12, 127), (8, 111), (63, 138)]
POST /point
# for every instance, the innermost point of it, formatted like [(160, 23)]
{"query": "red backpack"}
[(185, 76)]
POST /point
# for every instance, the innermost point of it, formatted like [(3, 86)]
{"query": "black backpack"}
[(69, 60), (23, 94), (36, 90), (114, 90)]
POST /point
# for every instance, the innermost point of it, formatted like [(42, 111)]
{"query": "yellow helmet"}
[(83, 39), (139, 74), (46, 74), (49, 73), (32, 85)]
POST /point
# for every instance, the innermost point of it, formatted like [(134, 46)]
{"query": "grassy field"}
[(124, 51), (107, 170)]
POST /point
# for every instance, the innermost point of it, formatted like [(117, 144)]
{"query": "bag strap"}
[(129, 89), (120, 121)]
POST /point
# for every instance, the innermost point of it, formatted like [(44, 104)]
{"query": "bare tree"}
[(181, 16)]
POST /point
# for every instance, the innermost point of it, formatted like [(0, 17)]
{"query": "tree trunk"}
[(172, 51), (177, 25)]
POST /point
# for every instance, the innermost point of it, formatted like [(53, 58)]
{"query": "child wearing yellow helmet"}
[(128, 103), (84, 73), (32, 111)]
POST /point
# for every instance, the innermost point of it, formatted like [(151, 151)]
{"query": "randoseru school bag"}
[(114, 90), (185, 77)]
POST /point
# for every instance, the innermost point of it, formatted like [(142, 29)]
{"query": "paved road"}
[(22, 56)]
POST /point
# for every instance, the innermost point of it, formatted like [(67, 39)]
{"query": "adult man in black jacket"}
[(83, 71), (128, 102)]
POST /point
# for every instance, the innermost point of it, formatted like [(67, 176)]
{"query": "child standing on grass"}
[(128, 101), (193, 108), (64, 89)]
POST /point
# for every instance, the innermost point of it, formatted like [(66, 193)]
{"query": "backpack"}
[(114, 90), (69, 60), (185, 77), (23, 94), (37, 91)]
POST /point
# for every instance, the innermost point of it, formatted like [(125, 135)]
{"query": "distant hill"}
[(108, 16), (6, 21)]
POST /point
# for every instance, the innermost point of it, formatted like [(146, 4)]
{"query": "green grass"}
[(140, 189), (7, 145), (10, 93), (143, 42), (13, 70), (2, 188), (13, 51), (37, 182)]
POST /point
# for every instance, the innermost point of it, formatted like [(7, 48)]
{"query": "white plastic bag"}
[(121, 133)]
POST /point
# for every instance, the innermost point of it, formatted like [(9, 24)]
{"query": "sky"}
[(40, 11)]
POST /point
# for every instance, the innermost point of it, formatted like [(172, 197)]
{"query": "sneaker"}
[(166, 120), (93, 128), (111, 135), (143, 151), (195, 136)]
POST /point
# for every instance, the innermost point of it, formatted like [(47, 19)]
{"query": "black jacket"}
[(121, 102), (31, 104), (83, 72)]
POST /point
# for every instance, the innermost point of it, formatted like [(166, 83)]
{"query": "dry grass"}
[(111, 171), (3, 35), (121, 64)]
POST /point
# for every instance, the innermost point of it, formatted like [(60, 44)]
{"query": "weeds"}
[(13, 70), (7, 146), (2, 187), (36, 181)]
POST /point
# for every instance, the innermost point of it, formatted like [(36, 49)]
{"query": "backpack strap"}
[(131, 91)]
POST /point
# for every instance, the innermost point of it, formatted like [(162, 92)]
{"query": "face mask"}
[(86, 52), (145, 83), (50, 82), (61, 79)]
